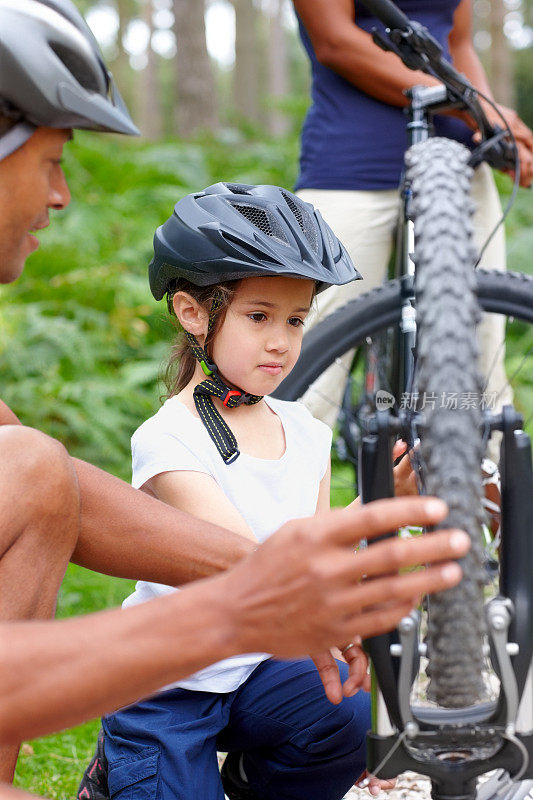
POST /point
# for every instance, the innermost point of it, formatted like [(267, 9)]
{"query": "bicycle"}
[(422, 324)]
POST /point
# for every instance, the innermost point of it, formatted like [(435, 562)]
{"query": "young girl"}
[(240, 266)]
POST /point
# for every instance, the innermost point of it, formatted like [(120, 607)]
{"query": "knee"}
[(38, 480), (342, 732)]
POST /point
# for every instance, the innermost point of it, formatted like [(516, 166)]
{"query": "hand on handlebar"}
[(523, 136)]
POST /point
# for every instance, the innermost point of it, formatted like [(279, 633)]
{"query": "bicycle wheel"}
[(371, 321)]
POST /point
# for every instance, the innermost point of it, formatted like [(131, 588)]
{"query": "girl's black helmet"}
[(231, 231)]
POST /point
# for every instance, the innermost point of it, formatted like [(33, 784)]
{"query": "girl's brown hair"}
[(182, 363)]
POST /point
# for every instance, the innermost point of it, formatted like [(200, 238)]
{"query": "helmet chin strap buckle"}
[(240, 398), (208, 367)]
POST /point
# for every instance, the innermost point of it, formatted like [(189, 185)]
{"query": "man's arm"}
[(127, 533), (302, 591)]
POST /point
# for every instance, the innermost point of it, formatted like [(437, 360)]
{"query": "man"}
[(54, 508)]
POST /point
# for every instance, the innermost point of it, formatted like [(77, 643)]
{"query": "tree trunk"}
[(150, 110), (278, 71), (499, 60), (197, 106), (246, 73), (120, 65)]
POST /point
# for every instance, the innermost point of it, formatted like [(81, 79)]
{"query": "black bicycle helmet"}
[(231, 231), (52, 73)]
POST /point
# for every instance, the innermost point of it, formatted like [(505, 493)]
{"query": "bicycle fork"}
[(455, 746)]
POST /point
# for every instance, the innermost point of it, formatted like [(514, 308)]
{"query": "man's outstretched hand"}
[(306, 589)]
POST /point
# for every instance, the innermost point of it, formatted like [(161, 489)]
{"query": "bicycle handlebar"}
[(419, 50), (388, 13)]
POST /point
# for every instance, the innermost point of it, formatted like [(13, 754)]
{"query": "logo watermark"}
[(384, 400), (453, 401)]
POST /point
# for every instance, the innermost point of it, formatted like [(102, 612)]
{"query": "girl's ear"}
[(192, 316)]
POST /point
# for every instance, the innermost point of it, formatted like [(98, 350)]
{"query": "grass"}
[(53, 765)]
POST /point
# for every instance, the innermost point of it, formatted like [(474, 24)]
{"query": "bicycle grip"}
[(388, 13)]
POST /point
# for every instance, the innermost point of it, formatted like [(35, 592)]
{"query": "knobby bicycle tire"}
[(506, 293), (451, 439)]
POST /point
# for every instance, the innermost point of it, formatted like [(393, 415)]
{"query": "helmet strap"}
[(214, 386), (15, 137)]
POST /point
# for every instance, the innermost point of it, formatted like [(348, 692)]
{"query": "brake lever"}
[(384, 42), (415, 46), (497, 151)]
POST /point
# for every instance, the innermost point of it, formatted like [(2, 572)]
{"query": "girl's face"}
[(261, 336)]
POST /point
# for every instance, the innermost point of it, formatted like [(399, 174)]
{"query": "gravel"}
[(409, 786)]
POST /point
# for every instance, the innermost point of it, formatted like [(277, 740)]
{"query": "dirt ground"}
[(409, 786)]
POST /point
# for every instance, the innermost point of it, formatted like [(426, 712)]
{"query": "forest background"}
[(219, 90)]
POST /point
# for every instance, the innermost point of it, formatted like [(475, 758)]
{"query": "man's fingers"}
[(391, 555), (382, 516), (405, 592), (383, 620), (402, 588), (387, 558)]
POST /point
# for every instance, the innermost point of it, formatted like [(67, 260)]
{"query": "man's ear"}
[(192, 316)]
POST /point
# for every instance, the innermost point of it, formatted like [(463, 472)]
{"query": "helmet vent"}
[(304, 221), (266, 222), (238, 188), (257, 216), (295, 210), (76, 66)]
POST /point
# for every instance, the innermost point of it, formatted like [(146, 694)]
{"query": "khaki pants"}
[(365, 222)]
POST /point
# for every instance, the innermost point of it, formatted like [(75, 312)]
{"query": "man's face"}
[(31, 182)]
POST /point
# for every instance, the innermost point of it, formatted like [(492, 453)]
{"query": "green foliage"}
[(523, 66), (518, 226)]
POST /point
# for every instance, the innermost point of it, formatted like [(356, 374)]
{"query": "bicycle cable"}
[(401, 738), (516, 181), (525, 755)]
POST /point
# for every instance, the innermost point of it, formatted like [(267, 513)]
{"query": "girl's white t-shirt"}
[(266, 492)]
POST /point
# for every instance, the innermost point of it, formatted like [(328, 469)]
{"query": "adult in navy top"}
[(354, 135), (353, 143), (351, 140)]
